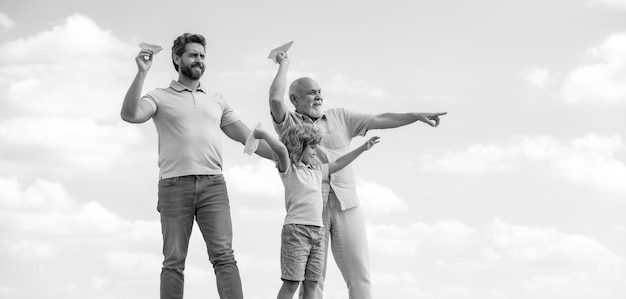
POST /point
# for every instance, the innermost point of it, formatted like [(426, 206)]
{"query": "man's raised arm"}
[(134, 110), (278, 108)]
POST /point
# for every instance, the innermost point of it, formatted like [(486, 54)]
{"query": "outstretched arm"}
[(277, 147), (239, 132), (278, 108), (394, 120), (346, 159), (134, 110)]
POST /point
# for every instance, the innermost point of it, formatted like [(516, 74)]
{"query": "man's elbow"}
[(130, 118)]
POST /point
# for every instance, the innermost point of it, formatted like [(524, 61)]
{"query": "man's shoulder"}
[(337, 111)]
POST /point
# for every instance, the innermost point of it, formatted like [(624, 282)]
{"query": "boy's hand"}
[(258, 132), (369, 143)]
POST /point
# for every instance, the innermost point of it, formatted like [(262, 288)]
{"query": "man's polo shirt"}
[(188, 123), (338, 126)]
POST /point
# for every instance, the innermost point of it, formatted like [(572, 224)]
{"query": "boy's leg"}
[(176, 207), (350, 248), (319, 286), (213, 217), (309, 289), (288, 289)]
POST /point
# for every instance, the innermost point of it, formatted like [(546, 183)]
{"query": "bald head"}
[(300, 84)]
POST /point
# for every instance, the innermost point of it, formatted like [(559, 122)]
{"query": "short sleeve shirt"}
[(188, 123), (338, 126), (303, 193)]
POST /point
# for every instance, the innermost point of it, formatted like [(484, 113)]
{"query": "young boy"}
[(302, 240)]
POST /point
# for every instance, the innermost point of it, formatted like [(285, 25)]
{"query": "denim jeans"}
[(205, 198)]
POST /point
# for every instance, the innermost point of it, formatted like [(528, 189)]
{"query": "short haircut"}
[(180, 42), (297, 138)]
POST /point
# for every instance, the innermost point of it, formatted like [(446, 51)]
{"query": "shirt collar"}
[(302, 165), (177, 86), (306, 117)]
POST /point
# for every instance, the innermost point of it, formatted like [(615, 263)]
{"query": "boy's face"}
[(308, 154)]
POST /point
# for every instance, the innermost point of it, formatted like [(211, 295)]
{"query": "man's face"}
[(308, 99), (191, 62)]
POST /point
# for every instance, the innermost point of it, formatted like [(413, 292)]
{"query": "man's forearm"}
[(393, 120), (277, 92), (265, 150), (130, 106)]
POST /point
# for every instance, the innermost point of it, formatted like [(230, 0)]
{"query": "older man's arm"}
[(239, 132), (278, 108), (394, 120)]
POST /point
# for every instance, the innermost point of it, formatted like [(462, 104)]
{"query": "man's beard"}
[(188, 71)]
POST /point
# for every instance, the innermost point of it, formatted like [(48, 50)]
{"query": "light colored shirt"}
[(188, 123), (338, 126), (303, 193)]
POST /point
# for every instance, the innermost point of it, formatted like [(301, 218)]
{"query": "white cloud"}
[(40, 196), (28, 249), (578, 285), (5, 22), (618, 4), (83, 73), (46, 209), (377, 199), (77, 38), (520, 244), (260, 179), (589, 160), (601, 81), (134, 264), (55, 143), (405, 241), (538, 77), (540, 262)]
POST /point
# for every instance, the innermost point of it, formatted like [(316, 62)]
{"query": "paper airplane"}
[(154, 48), (282, 48), (251, 143)]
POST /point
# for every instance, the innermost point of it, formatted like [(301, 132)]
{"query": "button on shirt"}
[(188, 123), (338, 126)]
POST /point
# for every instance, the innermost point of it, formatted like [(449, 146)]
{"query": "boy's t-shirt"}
[(303, 193)]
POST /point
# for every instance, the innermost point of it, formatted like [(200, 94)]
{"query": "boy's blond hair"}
[(298, 137)]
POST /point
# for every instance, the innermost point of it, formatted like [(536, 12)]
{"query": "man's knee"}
[(223, 257)]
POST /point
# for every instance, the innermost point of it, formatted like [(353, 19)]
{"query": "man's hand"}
[(370, 143), (144, 60), (281, 58), (431, 119)]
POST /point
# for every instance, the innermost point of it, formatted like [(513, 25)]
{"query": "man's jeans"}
[(205, 198), (348, 241)]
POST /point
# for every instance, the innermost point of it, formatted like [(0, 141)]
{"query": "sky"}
[(520, 193)]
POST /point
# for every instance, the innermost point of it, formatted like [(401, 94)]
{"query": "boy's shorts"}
[(302, 252)]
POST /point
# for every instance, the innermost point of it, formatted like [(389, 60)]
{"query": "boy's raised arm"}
[(282, 155), (278, 108), (346, 159)]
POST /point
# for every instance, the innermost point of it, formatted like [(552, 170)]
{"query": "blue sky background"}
[(519, 193)]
